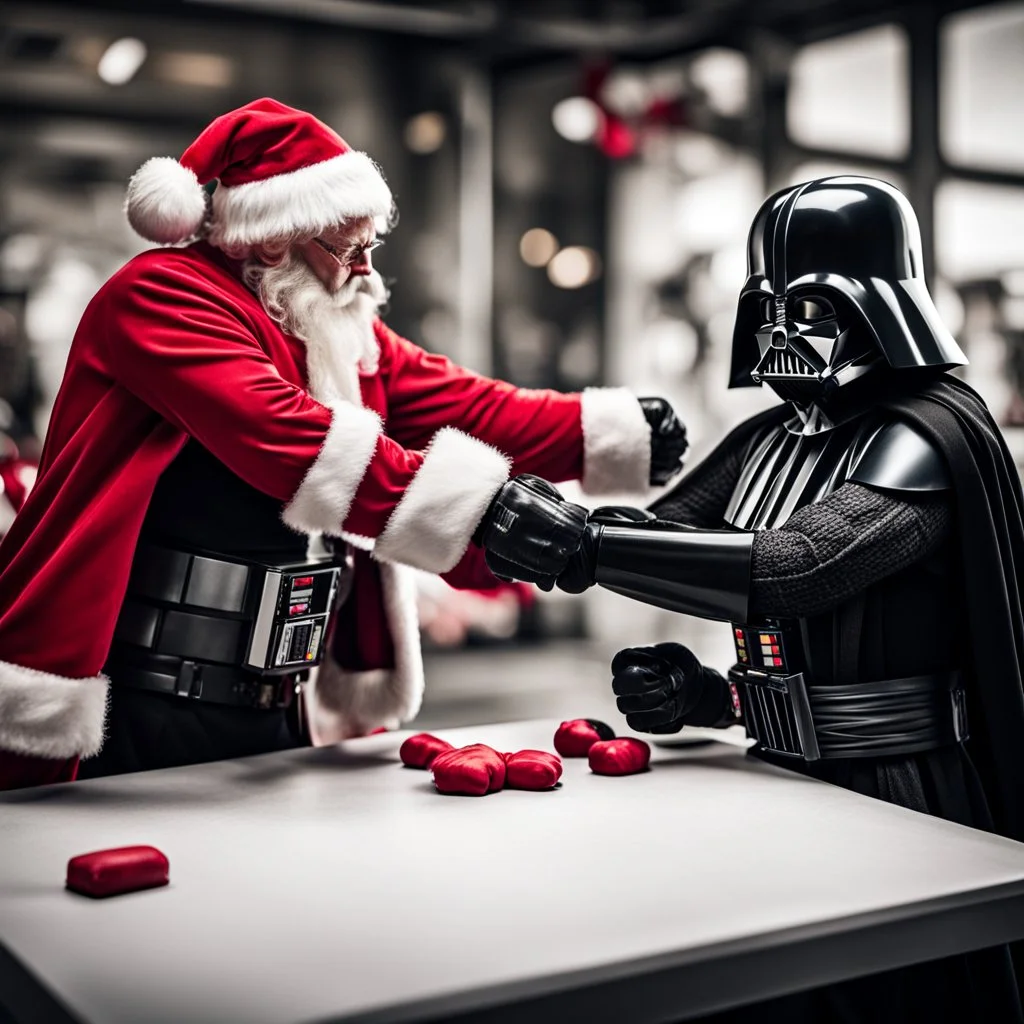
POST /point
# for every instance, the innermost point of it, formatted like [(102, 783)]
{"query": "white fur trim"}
[(345, 704), (165, 202), (45, 715), (616, 442), (430, 528), (306, 201), (325, 495)]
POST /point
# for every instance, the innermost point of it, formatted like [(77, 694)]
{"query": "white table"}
[(335, 885)]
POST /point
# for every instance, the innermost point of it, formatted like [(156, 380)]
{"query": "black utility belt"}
[(214, 684), (212, 627), (786, 715)]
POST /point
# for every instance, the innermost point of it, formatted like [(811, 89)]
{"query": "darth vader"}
[(863, 539)]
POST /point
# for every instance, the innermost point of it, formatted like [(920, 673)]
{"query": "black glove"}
[(581, 572), (530, 531), (668, 439), (662, 688)]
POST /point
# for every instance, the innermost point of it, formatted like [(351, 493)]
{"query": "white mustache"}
[(337, 327)]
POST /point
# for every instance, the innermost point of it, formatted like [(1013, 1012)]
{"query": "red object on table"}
[(532, 769), (576, 737), (124, 869), (625, 756), (420, 750), (471, 771)]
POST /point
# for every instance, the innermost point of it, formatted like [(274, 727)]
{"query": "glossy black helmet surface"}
[(848, 242)]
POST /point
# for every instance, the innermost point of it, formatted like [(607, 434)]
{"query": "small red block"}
[(420, 750), (625, 756), (575, 738), (532, 769), (124, 869), (471, 771)]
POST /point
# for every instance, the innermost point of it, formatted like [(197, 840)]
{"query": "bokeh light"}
[(576, 119), (574, 266), (121, 60), (425, 133), (537, 246)]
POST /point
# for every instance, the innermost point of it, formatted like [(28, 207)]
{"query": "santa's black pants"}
[(155, 730)]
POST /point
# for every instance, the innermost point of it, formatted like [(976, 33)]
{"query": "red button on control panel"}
[(302, 581)]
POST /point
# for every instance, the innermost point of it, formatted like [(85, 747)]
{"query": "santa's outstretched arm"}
[(608, 438)]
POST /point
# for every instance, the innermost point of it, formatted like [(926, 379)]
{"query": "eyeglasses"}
[(351, 255)]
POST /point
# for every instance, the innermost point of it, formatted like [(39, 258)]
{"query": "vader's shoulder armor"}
[(898, 458)]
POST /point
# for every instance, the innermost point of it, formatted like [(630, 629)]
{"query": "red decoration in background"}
[(619, 136), (112, 872), (420, 750), (615, 138), (625, 756), (471, 771), (532, 769)]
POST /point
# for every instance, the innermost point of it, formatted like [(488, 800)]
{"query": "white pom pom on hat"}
[(165, 202), (279, 172)]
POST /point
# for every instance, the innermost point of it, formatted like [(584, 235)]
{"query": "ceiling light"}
[(425, 132), (121, 61), (537, 246), (201, 70), (574, 267), (576, 119)]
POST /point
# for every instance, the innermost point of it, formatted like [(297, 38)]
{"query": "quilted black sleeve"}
[(831, 550)]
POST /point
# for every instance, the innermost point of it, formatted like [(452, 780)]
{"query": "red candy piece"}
[(420, 750), (532, 769), (472, 771), (110, 872), (625, 756), (575, 738)]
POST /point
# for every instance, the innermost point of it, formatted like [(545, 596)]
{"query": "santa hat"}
[(280, 172)]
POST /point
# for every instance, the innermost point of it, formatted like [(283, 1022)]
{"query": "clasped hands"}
[(531, 533)]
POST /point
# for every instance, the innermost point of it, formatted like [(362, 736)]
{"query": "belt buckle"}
[(189, 682), (961, 727), (778, 712)]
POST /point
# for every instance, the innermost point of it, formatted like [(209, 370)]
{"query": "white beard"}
[(336, 328)]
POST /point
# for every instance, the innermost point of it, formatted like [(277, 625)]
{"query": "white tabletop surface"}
[(335, 884)]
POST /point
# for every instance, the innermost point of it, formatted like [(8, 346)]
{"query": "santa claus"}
[(235, 393)]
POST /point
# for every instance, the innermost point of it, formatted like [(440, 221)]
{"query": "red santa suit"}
[(175, 346)]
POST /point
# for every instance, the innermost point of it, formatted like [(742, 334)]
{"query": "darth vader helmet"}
[(835, 290)]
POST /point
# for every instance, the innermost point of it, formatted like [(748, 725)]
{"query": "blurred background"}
[(575, 181)]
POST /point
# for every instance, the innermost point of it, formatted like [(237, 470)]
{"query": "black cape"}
[(989, 506)]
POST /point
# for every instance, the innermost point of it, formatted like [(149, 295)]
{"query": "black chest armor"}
[(875, 676), (786, 667), (791, 466)]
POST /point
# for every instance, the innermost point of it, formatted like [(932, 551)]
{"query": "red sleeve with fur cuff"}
[(18, 771), (540, 430)]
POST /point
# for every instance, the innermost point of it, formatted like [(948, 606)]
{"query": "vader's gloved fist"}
[(530, 531), (581, 572), (668, 439), (662, 688)]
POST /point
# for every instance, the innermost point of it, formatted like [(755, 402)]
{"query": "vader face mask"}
[(834, 288), (808, 347)]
